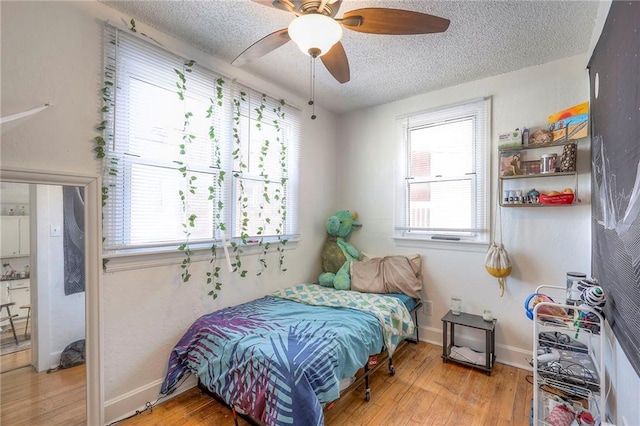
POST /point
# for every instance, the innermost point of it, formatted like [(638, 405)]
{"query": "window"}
[(442, 185), (190, 154)]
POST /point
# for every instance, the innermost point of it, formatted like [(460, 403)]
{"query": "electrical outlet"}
[(427, 307)]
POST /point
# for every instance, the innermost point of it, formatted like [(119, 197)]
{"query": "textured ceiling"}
[(485, 38)]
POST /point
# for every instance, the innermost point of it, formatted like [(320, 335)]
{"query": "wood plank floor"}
[(31, 398), (16, 359), (424, 391)]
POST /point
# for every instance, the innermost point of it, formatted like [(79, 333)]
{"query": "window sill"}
[(427, 243), (158, 257)]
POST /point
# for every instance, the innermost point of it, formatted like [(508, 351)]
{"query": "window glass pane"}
[(155, 214), (154, 121), (442, 205), (442, 149), (443, 185), (157, 122), (258, 209), (199, 146), (264, 140), (175, 135)]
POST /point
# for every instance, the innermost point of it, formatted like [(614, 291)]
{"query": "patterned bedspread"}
[(393, 316), (279, 360)]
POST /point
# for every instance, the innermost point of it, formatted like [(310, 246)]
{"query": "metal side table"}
[(473, 321)]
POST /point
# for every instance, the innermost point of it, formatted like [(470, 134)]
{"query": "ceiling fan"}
[(317, 31)]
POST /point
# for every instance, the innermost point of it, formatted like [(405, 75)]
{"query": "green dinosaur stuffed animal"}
[(337, 254)]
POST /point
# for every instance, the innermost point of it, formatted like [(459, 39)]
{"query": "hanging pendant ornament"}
[(313, 54), (498, 263)]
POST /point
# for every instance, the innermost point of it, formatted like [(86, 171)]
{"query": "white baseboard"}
[(54, 361), (505, 354), (129, 403)]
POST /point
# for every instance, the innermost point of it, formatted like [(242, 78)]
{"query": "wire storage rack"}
[(568, 361)]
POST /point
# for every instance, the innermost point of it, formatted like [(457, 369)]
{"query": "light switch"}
[(55, 231)]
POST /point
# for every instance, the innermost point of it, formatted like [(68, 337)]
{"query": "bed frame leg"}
[(367, 389), (415, 314), (392, 369)]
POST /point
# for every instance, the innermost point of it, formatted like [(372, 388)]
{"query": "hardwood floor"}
[(15, 360), (424, 391), (31, 398), (18, 359)]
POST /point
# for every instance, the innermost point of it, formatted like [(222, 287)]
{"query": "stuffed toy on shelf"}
[(337, 254)]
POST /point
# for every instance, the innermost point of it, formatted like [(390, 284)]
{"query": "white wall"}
[(544, 243), (623, 401), (52, 52), (60, 319)]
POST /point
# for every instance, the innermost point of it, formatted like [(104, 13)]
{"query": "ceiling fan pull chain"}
[(312, 83)]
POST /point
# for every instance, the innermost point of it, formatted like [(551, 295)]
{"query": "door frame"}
[(93, 243)]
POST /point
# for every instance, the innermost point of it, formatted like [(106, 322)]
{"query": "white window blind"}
[(187, 157), (442, 186)]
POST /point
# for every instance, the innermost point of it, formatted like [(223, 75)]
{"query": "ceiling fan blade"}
[(336, 62), (393, 21), (285, 5), (262, 47), (335, 6)]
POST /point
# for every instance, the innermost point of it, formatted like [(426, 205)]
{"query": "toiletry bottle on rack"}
[(525, 136)]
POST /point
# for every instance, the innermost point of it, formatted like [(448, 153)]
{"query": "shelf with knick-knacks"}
[(525, 172)]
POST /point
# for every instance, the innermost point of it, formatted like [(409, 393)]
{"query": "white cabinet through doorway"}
[(14, 233)]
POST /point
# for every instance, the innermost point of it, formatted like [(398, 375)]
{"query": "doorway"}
[(90, 185), (15, 285)]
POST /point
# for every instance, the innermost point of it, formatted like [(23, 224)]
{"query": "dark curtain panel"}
[(73, 233), (614, 72)]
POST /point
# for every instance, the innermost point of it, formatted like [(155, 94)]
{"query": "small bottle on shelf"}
[(525, 136), (519, 197)]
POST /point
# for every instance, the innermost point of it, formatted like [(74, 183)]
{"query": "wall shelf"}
[(528, 147), (528, 171), (540, 175)]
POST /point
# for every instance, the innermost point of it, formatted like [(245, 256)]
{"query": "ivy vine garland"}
[(216, 189), (190, 178), (213, 275)]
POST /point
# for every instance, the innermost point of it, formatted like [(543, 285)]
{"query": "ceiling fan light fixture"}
[(315, 32)]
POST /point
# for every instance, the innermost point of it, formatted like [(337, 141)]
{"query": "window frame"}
[(404, 233), (121, 246)]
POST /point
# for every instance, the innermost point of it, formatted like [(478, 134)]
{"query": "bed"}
[(280, 359)]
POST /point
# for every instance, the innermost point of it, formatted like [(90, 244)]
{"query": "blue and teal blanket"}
[(280, 358)]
